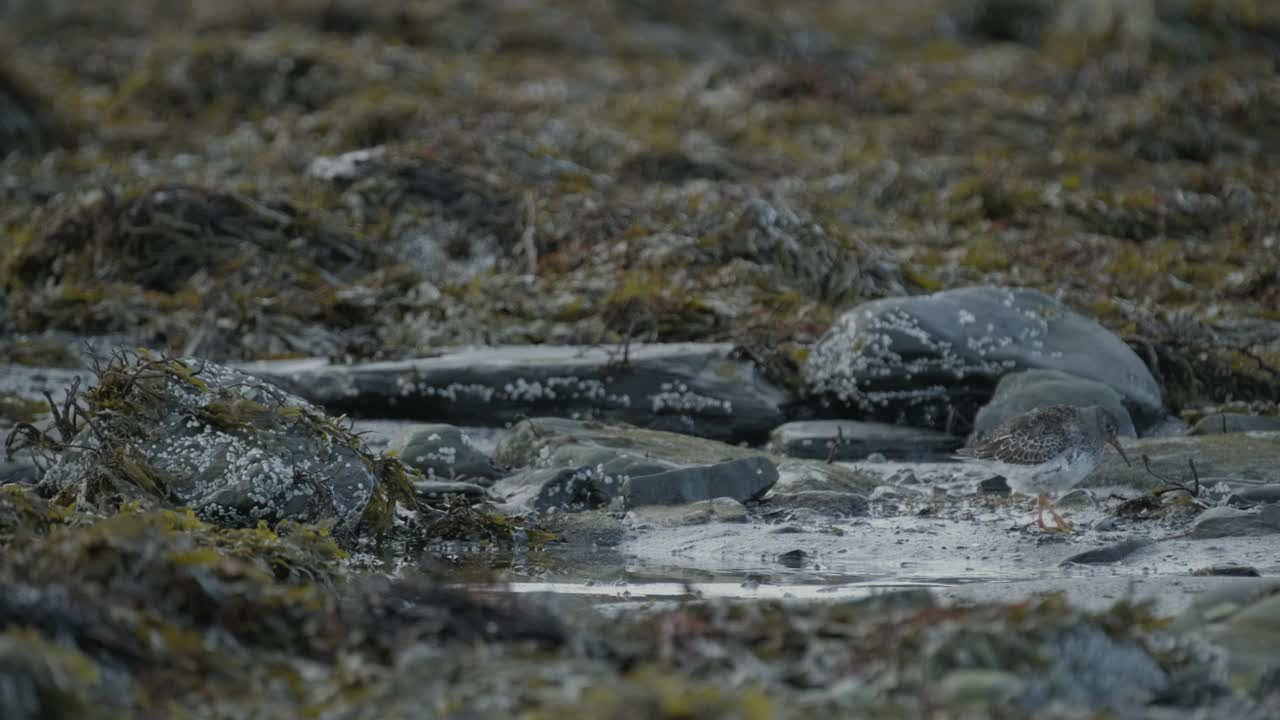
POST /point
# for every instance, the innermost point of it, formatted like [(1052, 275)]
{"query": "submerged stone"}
[(804, 475), (698, 513), (855, 440), (827, 502), (1109, 553), (927, 358)]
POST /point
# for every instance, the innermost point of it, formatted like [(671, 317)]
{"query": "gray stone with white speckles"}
[(444, 452), (693, 388), (921, 358), (550, 490), (276, 466)]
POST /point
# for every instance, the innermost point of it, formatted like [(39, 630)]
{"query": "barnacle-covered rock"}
[(232, 447), (931, 357)]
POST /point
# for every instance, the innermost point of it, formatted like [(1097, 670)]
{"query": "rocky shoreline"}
[(858, 514), (607, 359)]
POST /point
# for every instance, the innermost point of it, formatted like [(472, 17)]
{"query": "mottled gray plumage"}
[(1034, 438), (1047, 450)]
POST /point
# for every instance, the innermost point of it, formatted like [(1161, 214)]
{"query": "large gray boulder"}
[(925, 359), (1021, 392), (691, 388)]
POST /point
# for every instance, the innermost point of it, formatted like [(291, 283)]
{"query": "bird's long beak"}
[(1116, 444)]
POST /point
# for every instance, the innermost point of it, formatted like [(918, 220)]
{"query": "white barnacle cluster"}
[(884, 398), (574, 387), (867, 347), (525, 391), (678, 398), (562, 494), (269, 479), (452, 391), (607, 480), (195, 455), (446, 454), (984, 345)]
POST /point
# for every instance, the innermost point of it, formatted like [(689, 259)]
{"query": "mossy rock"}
[(236, 449)]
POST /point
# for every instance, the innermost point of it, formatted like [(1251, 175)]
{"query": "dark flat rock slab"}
[(845, 440), (691, 388)]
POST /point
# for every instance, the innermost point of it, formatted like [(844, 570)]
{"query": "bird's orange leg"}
[(1062, 525), (1041, 503)]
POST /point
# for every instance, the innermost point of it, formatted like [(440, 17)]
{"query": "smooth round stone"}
[(1078, 498), (1021, 392), (994, 485)]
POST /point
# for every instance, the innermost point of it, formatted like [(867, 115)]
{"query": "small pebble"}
[(1104, 524)]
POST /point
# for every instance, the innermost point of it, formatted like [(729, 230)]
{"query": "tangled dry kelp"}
[(196, 268)]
